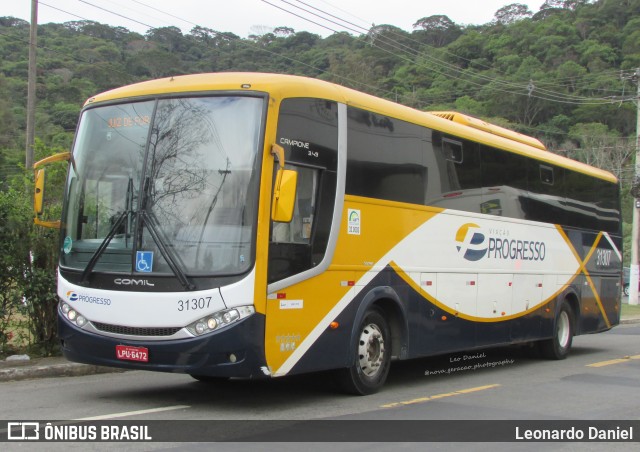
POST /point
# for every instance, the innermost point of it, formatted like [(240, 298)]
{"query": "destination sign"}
[(128, 121)]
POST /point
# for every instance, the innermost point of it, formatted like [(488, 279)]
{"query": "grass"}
[(630, 310)]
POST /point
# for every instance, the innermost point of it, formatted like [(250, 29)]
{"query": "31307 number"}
[(194, 304)]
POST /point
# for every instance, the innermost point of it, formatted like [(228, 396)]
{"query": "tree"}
[(470, 106), (14, 240), (38, 281), (597, 145), (437, 30), (154, 64), (169, 37), (283, 32), (512, 13)]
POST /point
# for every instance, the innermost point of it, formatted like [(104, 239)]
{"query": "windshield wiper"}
[(125, 215), (172, 259), (150, 221), (103, 246), (148, 218)]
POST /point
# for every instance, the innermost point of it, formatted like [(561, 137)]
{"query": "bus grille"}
[(136, 331)]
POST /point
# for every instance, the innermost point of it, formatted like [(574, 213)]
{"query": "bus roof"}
[(281, 86)]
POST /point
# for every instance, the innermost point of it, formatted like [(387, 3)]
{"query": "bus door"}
[(299, 296)]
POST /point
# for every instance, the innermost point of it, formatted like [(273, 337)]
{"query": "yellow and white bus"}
[(260, 225)]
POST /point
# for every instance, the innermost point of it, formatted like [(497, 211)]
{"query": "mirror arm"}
[(53, 158), (38, 197), (278, 154)]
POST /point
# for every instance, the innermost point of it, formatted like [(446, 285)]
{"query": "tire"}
[(372, 356), (559, 345), (626, 290)]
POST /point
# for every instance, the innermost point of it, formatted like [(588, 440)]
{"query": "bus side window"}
[(308, 133), (546, 174), (452, 150), (290, 251)]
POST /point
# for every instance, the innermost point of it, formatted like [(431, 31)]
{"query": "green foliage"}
[(29, 259), (14, 259)]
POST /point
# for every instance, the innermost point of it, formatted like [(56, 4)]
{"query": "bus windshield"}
[(164, 186)]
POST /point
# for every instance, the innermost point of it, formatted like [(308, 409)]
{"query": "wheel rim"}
[(564, 329), (371, 350)]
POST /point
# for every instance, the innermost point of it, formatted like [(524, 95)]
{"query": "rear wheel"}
[(559, 345), (372, 356), (626, 289)]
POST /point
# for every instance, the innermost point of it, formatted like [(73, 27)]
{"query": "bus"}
[(260, 225)]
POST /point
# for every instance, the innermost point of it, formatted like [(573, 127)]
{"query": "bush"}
[(29, 260), (14, 259)]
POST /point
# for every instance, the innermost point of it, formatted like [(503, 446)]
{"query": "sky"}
[(245, 17)]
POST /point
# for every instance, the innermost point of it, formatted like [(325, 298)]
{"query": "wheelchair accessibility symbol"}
[(144, 261)]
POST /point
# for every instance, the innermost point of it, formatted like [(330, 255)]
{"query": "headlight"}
[(219, 320), (72, 315)]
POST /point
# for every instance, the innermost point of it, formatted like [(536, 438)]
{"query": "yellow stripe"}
[(476, 389), (439, 396), (626, 359), (583, 269), (568, 242), (590, 281)]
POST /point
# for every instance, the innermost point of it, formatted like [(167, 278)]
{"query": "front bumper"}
[(207, 355)]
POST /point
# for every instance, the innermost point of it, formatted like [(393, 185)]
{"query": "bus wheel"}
[(209, 379), (373, 356), (559, 345)]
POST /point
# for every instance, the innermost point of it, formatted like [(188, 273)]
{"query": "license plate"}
[(129, 353)]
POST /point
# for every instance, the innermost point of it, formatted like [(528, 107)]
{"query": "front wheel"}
[(559, 345), (372, 356), (626, 290)]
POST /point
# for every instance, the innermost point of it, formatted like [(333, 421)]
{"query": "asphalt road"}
[(599, 381)]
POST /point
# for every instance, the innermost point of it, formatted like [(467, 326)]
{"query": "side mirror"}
[(38, 195), (284, 190), (284, 195)]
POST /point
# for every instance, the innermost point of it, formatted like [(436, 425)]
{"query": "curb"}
[(68, 369)]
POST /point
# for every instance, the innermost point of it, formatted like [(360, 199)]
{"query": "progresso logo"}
[(474, 244), (471, 242), (73, 296)]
